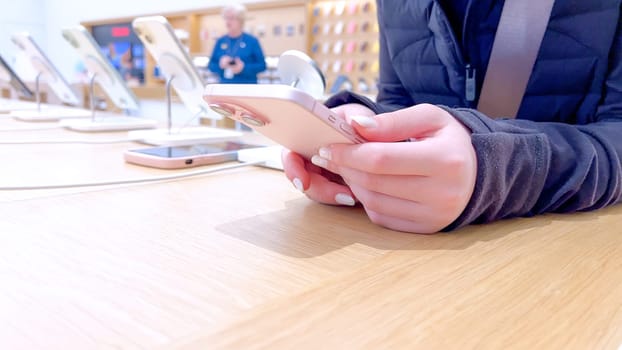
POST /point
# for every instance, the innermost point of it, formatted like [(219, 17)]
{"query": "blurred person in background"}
[(237, 57)]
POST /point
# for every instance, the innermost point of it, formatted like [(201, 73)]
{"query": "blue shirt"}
[(245, 47)]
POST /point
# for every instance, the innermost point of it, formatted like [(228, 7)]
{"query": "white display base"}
[(110, 123), (8, 106), (187, 136), (50, 113), (270, 155)]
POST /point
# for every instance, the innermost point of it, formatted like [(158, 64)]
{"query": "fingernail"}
[(298, 184), (319, 161), (325, 153), (363, 121), (345, 199)]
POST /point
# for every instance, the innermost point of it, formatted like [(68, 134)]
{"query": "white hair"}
[(238, 10)]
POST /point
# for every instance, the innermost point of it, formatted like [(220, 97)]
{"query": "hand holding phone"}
[(237, 66), (316, 182), (282, 113), (225, 61)]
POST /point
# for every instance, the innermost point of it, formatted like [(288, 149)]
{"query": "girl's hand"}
[(420, 186), (318, 184)]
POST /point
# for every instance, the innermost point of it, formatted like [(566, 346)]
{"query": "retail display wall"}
[(341, 36), (344, 42)]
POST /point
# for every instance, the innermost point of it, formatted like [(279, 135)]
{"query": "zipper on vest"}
[(470, 89), (470, 77)]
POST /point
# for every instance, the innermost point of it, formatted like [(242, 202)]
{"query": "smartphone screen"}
[(194, 150)]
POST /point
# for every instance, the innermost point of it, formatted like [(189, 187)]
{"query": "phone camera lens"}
[(225, 112), (252, 121)]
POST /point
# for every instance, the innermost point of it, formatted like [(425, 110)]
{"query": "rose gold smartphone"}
[(178, 157), (282, 113)]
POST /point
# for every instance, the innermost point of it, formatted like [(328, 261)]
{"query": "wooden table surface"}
[(241, 260)]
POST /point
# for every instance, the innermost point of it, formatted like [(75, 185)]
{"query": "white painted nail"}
[(325, 153), (363, 121), (319, 161), (345, 199), (298, 184)]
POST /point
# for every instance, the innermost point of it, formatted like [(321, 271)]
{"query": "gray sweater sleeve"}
[(527, 168)]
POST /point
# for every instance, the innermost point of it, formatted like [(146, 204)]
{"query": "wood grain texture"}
[(144, 265), (241, 260), (552, 282)]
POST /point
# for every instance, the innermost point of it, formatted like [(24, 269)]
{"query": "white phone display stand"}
[(112, 84), (180, 74), (298, 70), (8, 106), (44, 68), (105, 123), (184, 135), (17, 87), (47, 113)]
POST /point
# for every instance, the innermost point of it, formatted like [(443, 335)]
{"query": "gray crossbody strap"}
[(514, 52)]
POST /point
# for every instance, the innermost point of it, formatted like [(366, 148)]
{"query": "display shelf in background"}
[(344, 42), (279, 25), (341, 36)]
